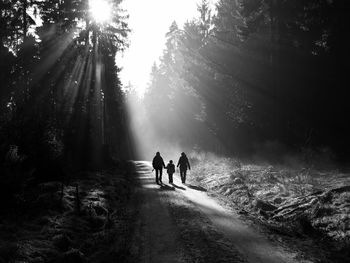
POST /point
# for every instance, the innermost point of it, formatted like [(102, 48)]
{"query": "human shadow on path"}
[(164, 187), (196, 187), (179, 187)]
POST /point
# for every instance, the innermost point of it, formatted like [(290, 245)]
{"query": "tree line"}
[(60, 96), (256, 75)]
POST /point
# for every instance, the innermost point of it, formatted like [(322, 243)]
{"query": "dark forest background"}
[(250, 77), (255, 77), (61, 102), (262, 82)]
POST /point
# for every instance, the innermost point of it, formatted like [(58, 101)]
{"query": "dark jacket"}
[(183, 163), (170, 168), (158, 162)]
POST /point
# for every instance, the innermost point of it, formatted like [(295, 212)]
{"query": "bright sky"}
[(149, 21)]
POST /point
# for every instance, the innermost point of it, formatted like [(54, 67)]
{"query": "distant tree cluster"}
[(60, 96), (252, 72)]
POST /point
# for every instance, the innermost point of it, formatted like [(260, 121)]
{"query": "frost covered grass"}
[(92, 225), (298, 200)]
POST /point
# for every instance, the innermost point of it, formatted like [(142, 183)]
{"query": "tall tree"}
[(204, 19), (68, 75), (229, 24)]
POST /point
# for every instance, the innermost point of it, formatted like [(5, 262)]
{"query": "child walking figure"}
[(170, 168)]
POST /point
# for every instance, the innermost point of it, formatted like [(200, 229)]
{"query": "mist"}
[(240, 96), (253, 91)]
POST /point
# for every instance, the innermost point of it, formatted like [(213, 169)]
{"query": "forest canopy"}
[(254, 76), (242, 78), (60, 94)]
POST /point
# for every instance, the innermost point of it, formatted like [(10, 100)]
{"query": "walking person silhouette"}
[(170, 170), (184, 164), (158, 165)]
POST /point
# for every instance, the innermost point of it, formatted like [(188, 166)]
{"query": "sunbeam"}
[(156, 15), (100, 10), (243, 100)]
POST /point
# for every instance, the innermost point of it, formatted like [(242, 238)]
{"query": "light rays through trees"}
[(71, 86), (250, 77), (227, 83)]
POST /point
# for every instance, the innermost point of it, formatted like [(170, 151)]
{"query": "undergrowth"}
[(295, 201), (91, 222)]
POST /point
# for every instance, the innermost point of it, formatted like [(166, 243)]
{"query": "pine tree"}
[(204, 19), (65, 77)]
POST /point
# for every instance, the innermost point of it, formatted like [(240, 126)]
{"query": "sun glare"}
[(100, 10), (158, 16)]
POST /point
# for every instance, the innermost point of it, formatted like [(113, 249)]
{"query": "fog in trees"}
[(254, 78), (253, 92)]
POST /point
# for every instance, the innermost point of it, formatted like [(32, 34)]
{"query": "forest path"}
[(157, 230), (181, 223)]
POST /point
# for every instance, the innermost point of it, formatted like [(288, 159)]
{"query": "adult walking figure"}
[(158, 165), (184, 164)]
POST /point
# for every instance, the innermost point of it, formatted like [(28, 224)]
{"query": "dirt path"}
[(159, 244), (183, 224)]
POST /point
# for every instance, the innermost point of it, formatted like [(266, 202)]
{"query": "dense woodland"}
[(256, 77), (249, 77), (60, 94)]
